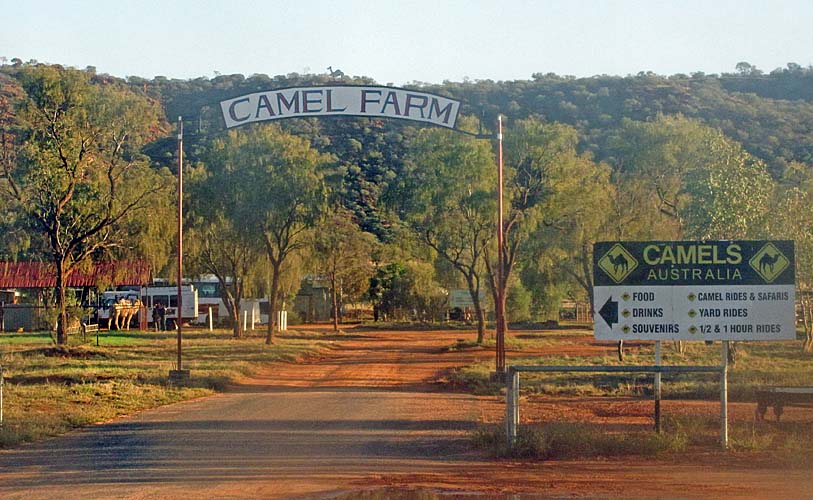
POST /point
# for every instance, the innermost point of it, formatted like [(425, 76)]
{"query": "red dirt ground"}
[(415, 358)]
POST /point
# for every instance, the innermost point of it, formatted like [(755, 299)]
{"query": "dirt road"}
[(363, 417)]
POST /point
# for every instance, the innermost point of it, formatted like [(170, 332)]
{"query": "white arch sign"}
[(341, 100)]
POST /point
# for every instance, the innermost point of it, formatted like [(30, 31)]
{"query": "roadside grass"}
[(567, 440), (759, 364), (785, 444), (52, 389)]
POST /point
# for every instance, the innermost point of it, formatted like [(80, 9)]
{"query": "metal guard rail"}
[(512, 388)]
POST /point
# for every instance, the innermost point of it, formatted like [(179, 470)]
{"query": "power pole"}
[(500, 312), (180, 375)]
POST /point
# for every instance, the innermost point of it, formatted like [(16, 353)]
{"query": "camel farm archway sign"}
[(367, 102), (341, 100)]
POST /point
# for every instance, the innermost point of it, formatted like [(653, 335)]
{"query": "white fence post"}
[(211, 322), (512, 406), (282, 321)]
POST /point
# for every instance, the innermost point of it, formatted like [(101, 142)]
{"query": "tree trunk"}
[(62, 321), (272, 305), (335, 302), (481, 322), (474, 292), (234, 312)]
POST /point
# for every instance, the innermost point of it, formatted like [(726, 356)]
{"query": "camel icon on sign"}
[(619, 262), (767, 261)]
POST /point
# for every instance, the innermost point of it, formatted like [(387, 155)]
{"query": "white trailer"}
[(151, 295)]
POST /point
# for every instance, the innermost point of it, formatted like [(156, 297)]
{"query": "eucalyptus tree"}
[(274, 189), (343, 253), (79, 179), (579, 213), (446, 199), (728, 192), (220, 242), (792, 218), (540, 161), (657, 155), (220, 247)]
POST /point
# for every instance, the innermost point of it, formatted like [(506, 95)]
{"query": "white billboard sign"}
[(694, 290)]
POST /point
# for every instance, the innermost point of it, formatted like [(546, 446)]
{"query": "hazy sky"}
[(409, 40)]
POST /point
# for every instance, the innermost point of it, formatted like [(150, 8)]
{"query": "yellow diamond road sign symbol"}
[(618, 263), (769, 262)]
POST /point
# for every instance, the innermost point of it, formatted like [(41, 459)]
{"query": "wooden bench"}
[(779, 397)]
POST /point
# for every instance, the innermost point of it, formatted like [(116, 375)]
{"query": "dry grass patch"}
[(52, 389)]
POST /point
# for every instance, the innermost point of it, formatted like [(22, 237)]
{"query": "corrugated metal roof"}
[(42, 275)]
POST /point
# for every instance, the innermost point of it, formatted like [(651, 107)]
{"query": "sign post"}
[(657, 387)]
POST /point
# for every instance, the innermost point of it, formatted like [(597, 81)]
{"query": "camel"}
[(123, 312), (335, 74)]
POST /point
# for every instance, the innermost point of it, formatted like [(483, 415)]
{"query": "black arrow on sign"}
[(609, 311)]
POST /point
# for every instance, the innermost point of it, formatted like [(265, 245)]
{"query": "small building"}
[(41, 275), (313, 302)]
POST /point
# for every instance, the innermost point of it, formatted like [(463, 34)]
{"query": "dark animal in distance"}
[(335, 74)]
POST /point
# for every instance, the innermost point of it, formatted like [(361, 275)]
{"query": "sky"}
[(408, 41)]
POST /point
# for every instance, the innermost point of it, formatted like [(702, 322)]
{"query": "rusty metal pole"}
[(500, 313), (178, 317)]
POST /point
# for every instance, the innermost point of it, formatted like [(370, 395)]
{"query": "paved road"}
[(320, 427)]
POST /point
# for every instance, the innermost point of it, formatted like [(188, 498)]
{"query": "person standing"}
[(162, 316), (156, 317)]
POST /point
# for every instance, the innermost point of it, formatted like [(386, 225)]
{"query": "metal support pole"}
[(500, 363), (724, 396), (180, 375), (211, 322), (657, 387), (245, 320), (511, 407), (180, 240)]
